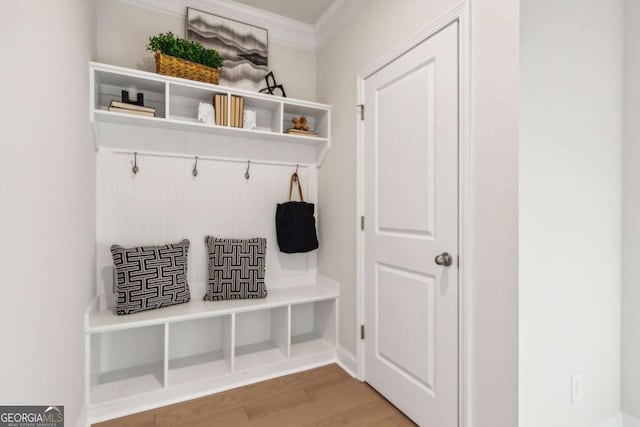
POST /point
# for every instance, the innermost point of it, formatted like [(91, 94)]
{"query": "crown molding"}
[(282, 30), (334, 18)]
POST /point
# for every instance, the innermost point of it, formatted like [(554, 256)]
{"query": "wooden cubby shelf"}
[(176, 127)]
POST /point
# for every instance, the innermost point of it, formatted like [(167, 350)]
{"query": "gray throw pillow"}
[(149, 277), (236, 268)]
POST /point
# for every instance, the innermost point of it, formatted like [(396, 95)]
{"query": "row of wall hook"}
[(194, 172)]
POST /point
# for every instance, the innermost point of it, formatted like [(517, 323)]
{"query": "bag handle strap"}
[(294, 178)]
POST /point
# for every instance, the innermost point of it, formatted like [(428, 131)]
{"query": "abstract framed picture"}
[(245, 48)]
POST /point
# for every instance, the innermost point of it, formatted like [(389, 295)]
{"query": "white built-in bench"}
[(193, 349), (154, 358)]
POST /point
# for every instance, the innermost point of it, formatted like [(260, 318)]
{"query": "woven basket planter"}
[(176, 67)]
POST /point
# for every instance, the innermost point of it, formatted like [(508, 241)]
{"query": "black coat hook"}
[(247, 175), (194, 172), (295, 174), (135, 168)]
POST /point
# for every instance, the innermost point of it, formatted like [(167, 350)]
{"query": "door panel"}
[(416, 215), (412, 294), (411, 195)]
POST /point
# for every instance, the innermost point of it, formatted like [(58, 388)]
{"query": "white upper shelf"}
[(176, 128)]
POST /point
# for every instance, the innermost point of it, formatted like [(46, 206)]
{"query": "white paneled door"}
[(411, 233)]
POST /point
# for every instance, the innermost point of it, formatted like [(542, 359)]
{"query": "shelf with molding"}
[(176, 128)]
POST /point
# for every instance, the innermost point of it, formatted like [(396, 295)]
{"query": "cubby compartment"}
[(268, 113), (199, 349), (108, 86), (317, 119), (126, 363), (158, 357), (185, 101), (261, 338), (313, 328)]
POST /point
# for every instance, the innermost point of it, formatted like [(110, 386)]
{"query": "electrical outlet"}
[(576, 389)]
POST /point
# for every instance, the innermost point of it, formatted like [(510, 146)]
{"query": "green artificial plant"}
[(169, 44)]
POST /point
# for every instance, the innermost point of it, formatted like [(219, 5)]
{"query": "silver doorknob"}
[(444, 259)]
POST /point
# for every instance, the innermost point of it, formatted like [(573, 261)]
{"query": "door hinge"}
[(361, 111), (362, 223), (361, 332)]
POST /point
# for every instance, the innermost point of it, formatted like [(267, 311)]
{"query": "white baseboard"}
[(629, 421), (347, 361), (614, 422), (83, 417), (622, 420)]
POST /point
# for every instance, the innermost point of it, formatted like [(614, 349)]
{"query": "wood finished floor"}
[(325, 396)]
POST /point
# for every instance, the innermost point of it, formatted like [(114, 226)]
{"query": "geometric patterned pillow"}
[(236, 268), (149, 277)]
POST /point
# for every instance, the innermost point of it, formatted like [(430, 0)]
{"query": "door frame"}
[(460, 15)]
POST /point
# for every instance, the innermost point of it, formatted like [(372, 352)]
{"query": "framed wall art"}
[(244, 47)]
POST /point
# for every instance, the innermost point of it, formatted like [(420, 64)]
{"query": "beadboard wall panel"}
[(164, 203)]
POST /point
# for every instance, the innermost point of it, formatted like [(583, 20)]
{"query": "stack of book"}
[(226, 114), (294, 131), (237, 111), (220, 107), (138, 110)]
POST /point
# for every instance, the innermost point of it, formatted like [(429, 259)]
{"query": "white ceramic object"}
[(249, 119), (205, 113)]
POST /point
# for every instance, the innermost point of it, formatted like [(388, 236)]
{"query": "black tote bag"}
[(295, 223)]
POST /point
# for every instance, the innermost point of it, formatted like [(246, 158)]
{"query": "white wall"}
[(570, 210), (374, 30), (493, 277), (124, 31), (47, 188), (631, 215)]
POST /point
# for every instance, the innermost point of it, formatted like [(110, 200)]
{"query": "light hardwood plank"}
[(276, 403), (179, 418), (325, 396), (142, 419)]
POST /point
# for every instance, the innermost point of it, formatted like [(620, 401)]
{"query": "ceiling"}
[(303, 11)]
